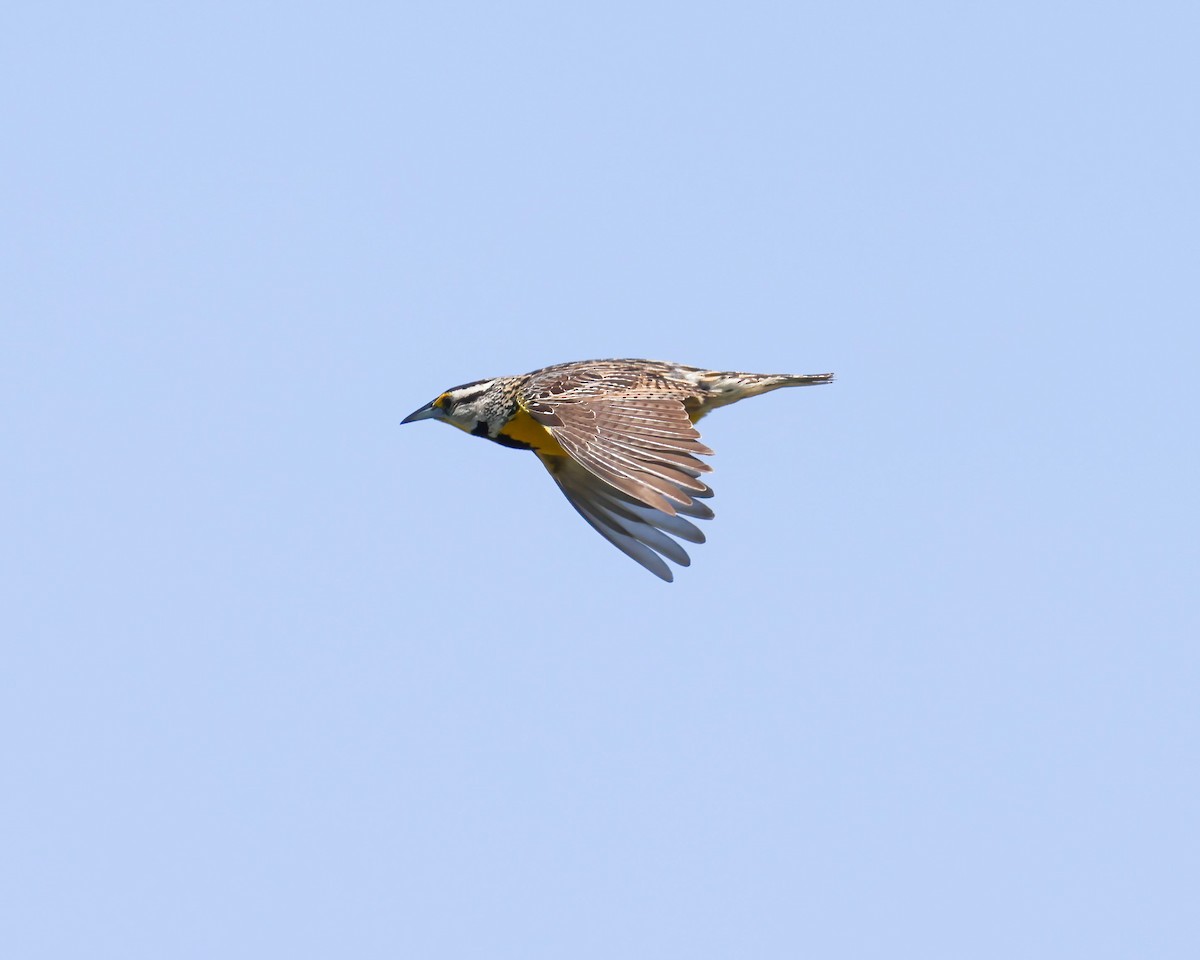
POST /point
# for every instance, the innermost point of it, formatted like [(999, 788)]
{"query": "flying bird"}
[(619, 439)]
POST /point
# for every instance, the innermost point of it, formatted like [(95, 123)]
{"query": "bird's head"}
[(470, 407)]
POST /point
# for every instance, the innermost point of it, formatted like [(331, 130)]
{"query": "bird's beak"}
[(427, 412)]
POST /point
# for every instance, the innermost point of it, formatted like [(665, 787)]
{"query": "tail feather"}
[(804, 380), (752, 384), (718, 389)]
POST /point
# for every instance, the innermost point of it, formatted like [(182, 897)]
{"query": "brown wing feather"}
[(645, 447), (638, 531)]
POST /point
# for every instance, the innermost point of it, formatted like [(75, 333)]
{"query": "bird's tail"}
[(752, 384), (720, 388), (800, 379)]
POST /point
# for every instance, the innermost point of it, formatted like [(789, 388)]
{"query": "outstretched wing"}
[(645, 447), (631, 470), (637, 530)]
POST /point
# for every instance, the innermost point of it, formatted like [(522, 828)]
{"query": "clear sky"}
[(281, 678)]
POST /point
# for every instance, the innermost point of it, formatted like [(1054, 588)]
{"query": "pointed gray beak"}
[(427, 412)]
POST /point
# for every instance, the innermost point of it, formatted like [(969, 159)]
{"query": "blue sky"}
[(282, 678)]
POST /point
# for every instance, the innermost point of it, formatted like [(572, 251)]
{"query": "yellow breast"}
[(523, 429)]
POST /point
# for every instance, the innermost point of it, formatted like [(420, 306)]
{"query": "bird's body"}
[(617, 436)]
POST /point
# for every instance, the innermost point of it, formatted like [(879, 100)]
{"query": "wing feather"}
[(649, 489), (676, 526), (631, 467), (644, 447), (640, 532), (634, 462), (616, 535), (682, 462)]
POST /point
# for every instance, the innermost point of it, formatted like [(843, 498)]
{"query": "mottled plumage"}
[(618, 437)]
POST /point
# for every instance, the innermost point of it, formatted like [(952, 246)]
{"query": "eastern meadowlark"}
[(618, 437)]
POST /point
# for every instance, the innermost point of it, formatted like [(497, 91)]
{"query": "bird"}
[(619, 439)]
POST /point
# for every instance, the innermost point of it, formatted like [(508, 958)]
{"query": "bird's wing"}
[(637, 530), (644, 447), (631, 470)]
